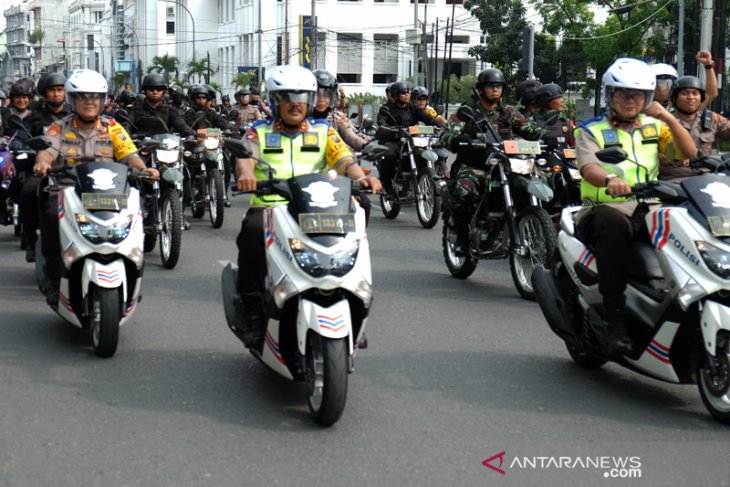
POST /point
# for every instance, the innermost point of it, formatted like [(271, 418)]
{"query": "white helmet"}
[(85, 81), (293, 82), (631, 74), (663, 70)]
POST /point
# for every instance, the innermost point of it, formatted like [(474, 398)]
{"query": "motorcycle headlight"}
[(319, 264), (717, 260), (420, 141), (521, 166), (212, 143), (167, 156), (97, 233)]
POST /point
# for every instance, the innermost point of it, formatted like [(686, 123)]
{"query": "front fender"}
[(172, 175), (332, 322), (715, 317), (108, 276), (536, 187)]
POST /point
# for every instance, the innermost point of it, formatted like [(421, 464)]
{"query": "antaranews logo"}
[(615, 467)]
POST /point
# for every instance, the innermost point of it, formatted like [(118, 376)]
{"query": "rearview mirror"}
[(465, 113), (612, 155)]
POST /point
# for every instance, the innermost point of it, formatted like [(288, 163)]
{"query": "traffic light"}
[(523, 63)]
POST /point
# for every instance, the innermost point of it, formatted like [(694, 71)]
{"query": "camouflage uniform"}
[(706, 128)]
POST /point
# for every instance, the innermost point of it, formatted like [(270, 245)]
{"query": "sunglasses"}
[(404, 92), (155, 89)]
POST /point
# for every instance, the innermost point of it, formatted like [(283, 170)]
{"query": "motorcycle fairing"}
[(715, 317), (271, 353), (655, 360), (330, 322)]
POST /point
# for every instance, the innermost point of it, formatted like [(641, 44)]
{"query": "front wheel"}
[(326, 378), (107, 309), (537, 233), (428, 202), (171, 234), (390, 205), (216, 194), (460, 266), (715, 387)]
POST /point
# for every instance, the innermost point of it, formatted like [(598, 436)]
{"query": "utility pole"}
[(680, 40), (415, 44), (286, 31), (705, 32), (259, 32), (207, 77), (313, 64)]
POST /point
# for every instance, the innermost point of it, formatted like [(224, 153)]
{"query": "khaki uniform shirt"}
[(248, 114), (106, 142), (348, 133)]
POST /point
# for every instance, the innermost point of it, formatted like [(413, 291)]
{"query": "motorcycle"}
[(318, 285), (677, 298), (563, 178), (204, 172), (508, 220), (419, 179), (101, 237), (162, 205)]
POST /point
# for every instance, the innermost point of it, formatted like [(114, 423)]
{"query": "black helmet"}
[(225, 98), (109, 92), (22, 87), (420, 91), (140, 97), (176, 92), (387, 88), (324, 79), (399, 86), (196, 90), (126, 97), (212, 93), (687, 82), (491, 75), (49, 80), (546, 93), (154, 80), (243, 92), (526, 91)]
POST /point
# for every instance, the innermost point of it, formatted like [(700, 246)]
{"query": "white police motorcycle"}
[(318, 285), (678, 295), (101, 235)]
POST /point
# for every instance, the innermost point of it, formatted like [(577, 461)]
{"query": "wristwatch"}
[(608, 178), (710, 66)]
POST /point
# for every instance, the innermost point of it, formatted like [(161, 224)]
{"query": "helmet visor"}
[(293, 96)]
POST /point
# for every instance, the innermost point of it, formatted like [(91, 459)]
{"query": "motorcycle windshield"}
[(167, 141), (102, 185), (322, 203), (710, 198)]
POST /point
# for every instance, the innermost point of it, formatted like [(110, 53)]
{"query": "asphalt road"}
[(457, 372)]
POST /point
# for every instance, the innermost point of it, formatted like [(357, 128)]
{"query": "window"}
[(387, 1), (458, 39), (385, 65), (349, 57), (170, 27), (457, 2), (279, 49)]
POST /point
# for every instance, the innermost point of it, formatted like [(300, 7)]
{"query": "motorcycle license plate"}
[(327, 222), (522, 147), (99, 201), (569, 153)]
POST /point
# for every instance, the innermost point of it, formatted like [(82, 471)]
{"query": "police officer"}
[(151, 116), (468, 171), (84, 135), (559, 133), (200, 104), (400, 113), (292, 91), (247, 113), (420, 97), (324, 108), (259, 103), (609, 224), (526, 91), (21, 94), (705, 126)]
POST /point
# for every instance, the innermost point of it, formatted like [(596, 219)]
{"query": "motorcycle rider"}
[(400, 113), (705, 126), (420, 98), (226, 107), (665, 76), (549, 97), (200, 102), (178, 99), (327, 98), (125, 100), (468, 172), (84, 135), (609, 224), (292, 91), (21, 94), (247, 112), (151, 116), (259, 103), (526, 91)]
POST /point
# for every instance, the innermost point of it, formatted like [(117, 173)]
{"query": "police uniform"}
[(608, 225), (247, 114), (107, 141), (705, 129), (343, 126), (315, 147)]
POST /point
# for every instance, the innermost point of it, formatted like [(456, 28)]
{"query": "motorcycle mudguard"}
[(715, 317), (553, 305), (108, 276), (537, 188), (229, 279), (171, 175), (332, 322)]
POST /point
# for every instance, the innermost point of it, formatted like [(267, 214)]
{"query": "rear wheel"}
[(537, 233), (171, 234), (216, 203), (715, 386), (428, 202), (326, 378), (107, 312), (459, 266), (390, 205)]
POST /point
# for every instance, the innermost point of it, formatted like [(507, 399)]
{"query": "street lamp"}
[(192, 19)]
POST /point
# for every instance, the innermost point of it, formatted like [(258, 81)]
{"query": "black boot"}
[(461, 247), (30, 249), (616, 328), (254, 319)]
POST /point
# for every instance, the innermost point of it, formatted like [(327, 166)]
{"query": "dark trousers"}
[(251, 252), (29, 207), (386, 166), (50, 234), (609, 234)]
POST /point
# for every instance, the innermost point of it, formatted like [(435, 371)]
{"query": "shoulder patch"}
[(54, 129)]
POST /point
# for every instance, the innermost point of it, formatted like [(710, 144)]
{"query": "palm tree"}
[(200, 68), (242, 80), (165, 65)]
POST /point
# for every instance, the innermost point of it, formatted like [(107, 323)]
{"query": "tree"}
[(461, 89), (200, 69), (36, 37), (120, 81), (165, 65), (242, 80)]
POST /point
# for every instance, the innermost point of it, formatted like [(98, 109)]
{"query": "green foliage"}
[(36, 37), (364, 98), (120, 81), (166, 65), (242, 80), (461, 89), (200, 69)]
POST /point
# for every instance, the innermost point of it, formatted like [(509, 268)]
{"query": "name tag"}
[(610, 138)]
